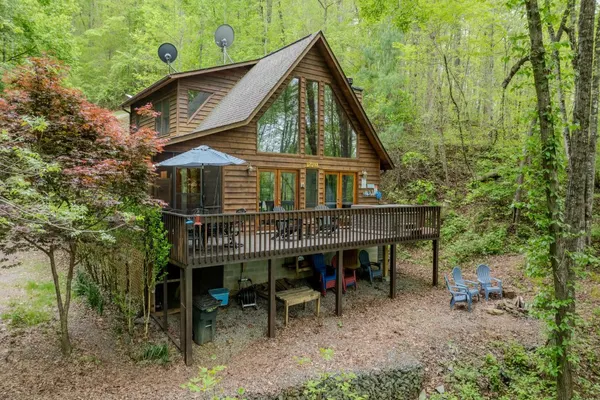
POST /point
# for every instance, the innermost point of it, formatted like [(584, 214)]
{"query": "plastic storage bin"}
[(220, 294)]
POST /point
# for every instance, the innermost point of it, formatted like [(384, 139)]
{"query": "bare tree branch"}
[(514, 70)]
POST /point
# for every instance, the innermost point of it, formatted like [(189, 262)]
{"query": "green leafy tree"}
[(69, 175)]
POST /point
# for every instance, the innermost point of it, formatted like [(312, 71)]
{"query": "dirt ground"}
[(418, 323)]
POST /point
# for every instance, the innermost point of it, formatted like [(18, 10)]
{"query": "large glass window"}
[(312, 188), (340, 138), (196, 98), (340, 188), (162, 120), (198, 189), (278, 127), (311, 118), (266, 188), (331, 190)]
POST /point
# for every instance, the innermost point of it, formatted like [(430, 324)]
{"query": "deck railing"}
[(205, 240)]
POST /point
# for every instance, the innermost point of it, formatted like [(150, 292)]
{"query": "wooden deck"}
[(207, 240)]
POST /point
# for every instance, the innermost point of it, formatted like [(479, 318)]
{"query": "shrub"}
[(86, 287), (156, 352), (470, 244)]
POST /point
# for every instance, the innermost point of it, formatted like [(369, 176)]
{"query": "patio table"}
[(300, 295)]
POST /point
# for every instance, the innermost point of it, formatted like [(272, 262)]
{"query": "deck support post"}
[(165, 305), (436, 250), (272, 304), (186, 314), (393, 274), (339, 282), (182, 327)]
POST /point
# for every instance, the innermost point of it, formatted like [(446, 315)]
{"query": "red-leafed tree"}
[(69, 172)]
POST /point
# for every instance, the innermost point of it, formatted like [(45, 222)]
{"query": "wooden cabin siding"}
[(219, 83), (240, 186), (169, 92)]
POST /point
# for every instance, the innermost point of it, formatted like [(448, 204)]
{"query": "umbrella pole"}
[(202, 189), (174, 189)]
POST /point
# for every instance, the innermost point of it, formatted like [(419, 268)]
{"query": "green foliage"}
[(206, 380), (516, 374), (326, 353), (156, 352), (35, 309), (422, 191), (316, 389), (302, 360), (88, 289)]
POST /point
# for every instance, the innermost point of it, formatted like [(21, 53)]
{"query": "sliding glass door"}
[(277, 188), (340, 189)]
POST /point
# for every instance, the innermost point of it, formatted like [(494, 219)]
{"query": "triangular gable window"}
[(196, 99)]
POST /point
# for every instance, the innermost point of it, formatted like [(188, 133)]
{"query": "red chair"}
[(348, 277)]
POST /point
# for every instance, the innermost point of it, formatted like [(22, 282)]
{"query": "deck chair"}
[(285, 227), (327, 274), (459, 294), (472, 287), (325, 224), (373, 269), (233, 230), (348, 277), (487, 282)]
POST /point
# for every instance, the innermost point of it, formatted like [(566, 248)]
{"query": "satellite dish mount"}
[(224, 36), (168, 54)]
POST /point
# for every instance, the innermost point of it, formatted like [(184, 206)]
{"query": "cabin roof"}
[(253, 90), (173, 77)]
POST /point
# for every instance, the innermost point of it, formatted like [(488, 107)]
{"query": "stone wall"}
[(402, 380)]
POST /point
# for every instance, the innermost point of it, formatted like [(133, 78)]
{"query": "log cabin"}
[(313, 165)]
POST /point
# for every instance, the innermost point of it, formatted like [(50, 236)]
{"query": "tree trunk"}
[(525, 160), (549, 159), (591, 162), (63, 305)]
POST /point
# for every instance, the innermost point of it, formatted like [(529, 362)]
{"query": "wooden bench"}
[(300, 295)]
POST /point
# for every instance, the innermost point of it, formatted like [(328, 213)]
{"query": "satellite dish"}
[(224, 36), (167, 53)]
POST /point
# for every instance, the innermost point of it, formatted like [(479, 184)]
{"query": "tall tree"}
[(70, 173), (566, 239)]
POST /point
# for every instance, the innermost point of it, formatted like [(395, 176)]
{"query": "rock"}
[(440, 389), (494, 311), (423, 395)]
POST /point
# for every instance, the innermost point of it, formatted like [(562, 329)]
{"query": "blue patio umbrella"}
[(199, 157)]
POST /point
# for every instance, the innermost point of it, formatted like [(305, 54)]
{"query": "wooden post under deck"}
[(386, 257), (165, 305), (187, 315), (436, 249), (339, 282), (272, 304), (393, 275), (182, 327)]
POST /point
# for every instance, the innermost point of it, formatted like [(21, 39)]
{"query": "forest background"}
[(447, 84)]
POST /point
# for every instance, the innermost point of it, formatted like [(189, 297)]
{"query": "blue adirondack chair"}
[(459, 295), (472, 287), (373, 269), (326, 273), (487, 282)]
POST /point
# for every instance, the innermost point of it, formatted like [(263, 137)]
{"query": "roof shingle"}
[(248, 94)]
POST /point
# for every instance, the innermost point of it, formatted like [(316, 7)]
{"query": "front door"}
[(340, 189), (277, 187)]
